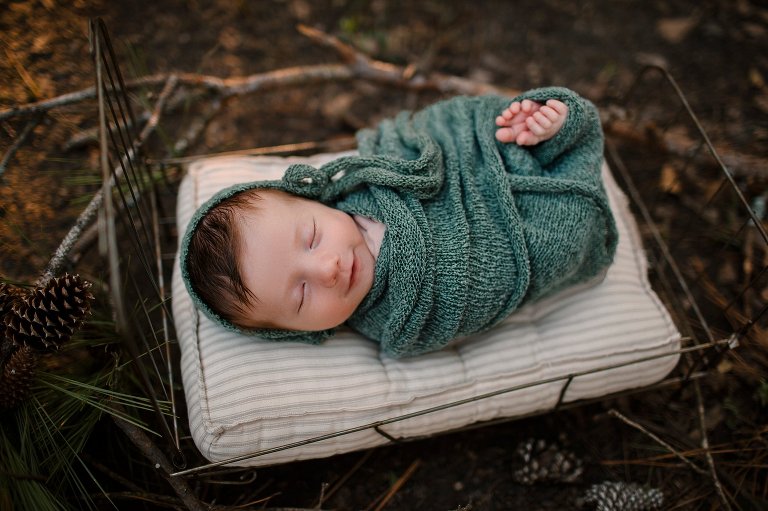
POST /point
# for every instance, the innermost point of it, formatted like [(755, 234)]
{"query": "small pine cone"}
[(8, 296), (545, 462), (17, 376), (49, 315), (613, 496)]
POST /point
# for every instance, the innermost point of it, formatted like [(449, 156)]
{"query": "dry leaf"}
[(674, 30), (41, 42), (725, 366), (300, 9), (727, 273), (754, 30), (756, 78), (761, 102), (651, 59), (669, 182)]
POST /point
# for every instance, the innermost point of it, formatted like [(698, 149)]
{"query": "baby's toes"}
[(505, 135), (542, 120), (550, 113), (510, 112), (534, 126), (509, 134), (513, 108), (526, 138), (558, 106), (527, 105)]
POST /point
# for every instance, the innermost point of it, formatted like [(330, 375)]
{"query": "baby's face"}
[(307, 263)]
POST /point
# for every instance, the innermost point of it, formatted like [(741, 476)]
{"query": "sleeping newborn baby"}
[(448, 220)]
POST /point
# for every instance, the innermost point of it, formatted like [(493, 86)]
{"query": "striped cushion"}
[(246, 395)]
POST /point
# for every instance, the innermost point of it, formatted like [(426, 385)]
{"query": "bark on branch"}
[(356, 66), (682, 146)]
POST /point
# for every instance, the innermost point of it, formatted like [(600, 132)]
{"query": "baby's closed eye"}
[(314, 239)]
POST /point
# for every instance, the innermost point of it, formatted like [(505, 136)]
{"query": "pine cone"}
[(546, 462), (17, 376), (611, 496), (49, 315)]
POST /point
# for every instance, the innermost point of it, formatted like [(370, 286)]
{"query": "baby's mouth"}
[(353, 272)]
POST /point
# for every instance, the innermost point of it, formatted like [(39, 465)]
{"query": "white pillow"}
[(246, 395)]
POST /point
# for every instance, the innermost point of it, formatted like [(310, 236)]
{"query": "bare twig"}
[(336, 144), (356, 66), (197, 126), (655, 438), (89, 213), (398, 484), (30, 126), (111, 473), (338, 484), (158, 500), (682, 146), (25, 76), (180, 99), (158, 459), (705, 445)]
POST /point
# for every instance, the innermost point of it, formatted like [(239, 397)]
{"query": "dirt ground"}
[(717, 51)]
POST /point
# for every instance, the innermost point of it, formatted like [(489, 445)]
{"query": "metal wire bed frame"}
[(133, 193)]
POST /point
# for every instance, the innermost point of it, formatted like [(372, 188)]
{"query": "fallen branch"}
[(89, 213), (332, 145), (329, 492), (356, 66), (157, 500), (398, 484), (615, 413), (31, 125), (161, 463), (684, 147), (705, 447)]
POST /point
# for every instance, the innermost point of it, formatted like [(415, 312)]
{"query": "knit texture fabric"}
[(475, 228)]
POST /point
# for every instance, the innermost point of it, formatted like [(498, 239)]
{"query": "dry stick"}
[(384, 72), (398, 484), (690, 452), (682, 146), (31, 125), (111, 473), (197, 125), (180, 99), (25, 76), (705, 446), (338, 484), (89, 213), (160, 500), (156, 456), (334, 144), (226, 86), (615, 413), (748, 266), (357, 66)]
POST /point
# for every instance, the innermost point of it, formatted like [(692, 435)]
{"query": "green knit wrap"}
[(475, 228)]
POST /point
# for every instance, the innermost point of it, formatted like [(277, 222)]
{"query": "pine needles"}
[(42, 438)]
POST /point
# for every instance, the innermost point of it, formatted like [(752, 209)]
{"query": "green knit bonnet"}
[(324, 184)]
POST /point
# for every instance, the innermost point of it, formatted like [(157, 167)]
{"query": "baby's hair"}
[(214, 258)]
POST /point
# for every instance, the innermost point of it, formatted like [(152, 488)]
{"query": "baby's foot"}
[(528, 123)]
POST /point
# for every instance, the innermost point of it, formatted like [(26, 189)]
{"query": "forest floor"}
[(717, 51)]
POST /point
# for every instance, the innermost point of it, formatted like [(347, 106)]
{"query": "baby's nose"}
[(328, 269)]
